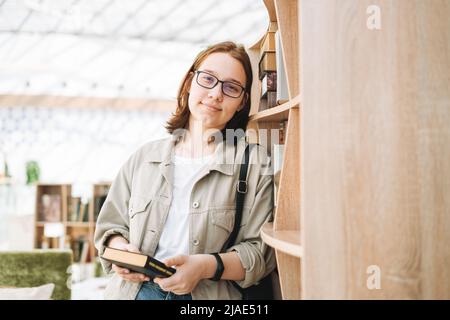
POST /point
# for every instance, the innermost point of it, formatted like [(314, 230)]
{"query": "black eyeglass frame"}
[(197, 72)]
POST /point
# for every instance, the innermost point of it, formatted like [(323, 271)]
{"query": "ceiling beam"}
[(54, 101)]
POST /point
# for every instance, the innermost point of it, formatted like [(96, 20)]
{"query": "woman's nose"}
[(216, 92)]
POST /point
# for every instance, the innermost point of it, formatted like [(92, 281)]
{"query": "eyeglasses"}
[(209, 81)]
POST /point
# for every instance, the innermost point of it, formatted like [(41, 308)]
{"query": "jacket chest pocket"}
[(220, 228), (138, 211), (138, 205)]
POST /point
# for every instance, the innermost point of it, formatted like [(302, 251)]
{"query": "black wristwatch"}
[(220, 268)]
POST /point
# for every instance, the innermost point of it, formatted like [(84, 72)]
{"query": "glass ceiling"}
[(107, 48)]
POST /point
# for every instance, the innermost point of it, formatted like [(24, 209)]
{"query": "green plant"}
[(33, 172)]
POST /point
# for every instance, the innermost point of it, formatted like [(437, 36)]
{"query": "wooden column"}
[(375, 149)]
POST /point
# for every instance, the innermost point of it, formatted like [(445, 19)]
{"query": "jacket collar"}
[(224, 155)]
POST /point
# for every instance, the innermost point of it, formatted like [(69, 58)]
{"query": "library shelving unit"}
[(99, 193), (283, 234), (69, 221), (362, 208), (59, 203)]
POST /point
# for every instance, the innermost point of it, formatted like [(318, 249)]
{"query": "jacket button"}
[(195, 205), (195, 242)]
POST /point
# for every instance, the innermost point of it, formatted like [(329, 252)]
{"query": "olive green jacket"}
[(138, 203)]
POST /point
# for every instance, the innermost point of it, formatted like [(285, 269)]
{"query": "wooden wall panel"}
[(375, 148)]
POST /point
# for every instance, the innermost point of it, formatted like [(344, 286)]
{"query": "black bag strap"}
[(241, 190)]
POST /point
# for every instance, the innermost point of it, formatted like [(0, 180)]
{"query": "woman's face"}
[(211, 106)]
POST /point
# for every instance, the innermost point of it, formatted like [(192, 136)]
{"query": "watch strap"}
[(220, 267)]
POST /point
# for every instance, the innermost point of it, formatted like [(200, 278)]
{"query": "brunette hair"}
[(180, 117)]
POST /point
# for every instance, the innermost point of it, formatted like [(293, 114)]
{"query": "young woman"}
[(174, 199)]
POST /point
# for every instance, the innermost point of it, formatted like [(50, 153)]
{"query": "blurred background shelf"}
[(64, 221)]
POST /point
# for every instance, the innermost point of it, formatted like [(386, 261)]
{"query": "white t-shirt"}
[(175, 235)]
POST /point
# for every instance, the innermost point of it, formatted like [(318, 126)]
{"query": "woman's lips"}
[(212, 108)]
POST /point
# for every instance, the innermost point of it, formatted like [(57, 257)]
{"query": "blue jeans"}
[(151, 291)]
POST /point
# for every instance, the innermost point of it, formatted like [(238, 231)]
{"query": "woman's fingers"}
[(125, 273), (176, 260), (130, 276), (135, 277), (132, 248), (120, 270)]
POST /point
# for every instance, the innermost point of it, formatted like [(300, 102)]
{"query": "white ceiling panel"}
[(135, 48)]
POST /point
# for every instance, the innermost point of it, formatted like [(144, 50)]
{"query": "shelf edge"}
[(275, 111), (276, 240)]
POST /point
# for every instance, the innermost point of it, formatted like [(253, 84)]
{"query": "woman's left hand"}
[(190, 270)]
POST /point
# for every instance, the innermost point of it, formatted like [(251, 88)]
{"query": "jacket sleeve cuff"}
[(252, 262), (102, 244)]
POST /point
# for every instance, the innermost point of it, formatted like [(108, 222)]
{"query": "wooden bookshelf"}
[(287, 241), (60, 201), (278, 113), (364, 180), (99, 193), (76, 223), (284, 233)]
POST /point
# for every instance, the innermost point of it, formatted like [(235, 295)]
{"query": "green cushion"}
[(37, 267)]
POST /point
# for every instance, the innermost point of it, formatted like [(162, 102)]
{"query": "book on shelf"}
[(268, 83), (50, 243), (282, 87), (138, 262), (50, 210), (84, 252), (282, 131), (75, 203), (78, 210), (262, 104), (269, 101), (98, 203), (268, 43), (83, 214), (276, 185), (80, 248), (267, 63), (278, 150), (268, 91)]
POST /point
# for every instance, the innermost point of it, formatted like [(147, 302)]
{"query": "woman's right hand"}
[(121, 243)]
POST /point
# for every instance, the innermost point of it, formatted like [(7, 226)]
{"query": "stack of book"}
[(282, 94), (78, 211), (80, 248), (274, 90), (268, 69)]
